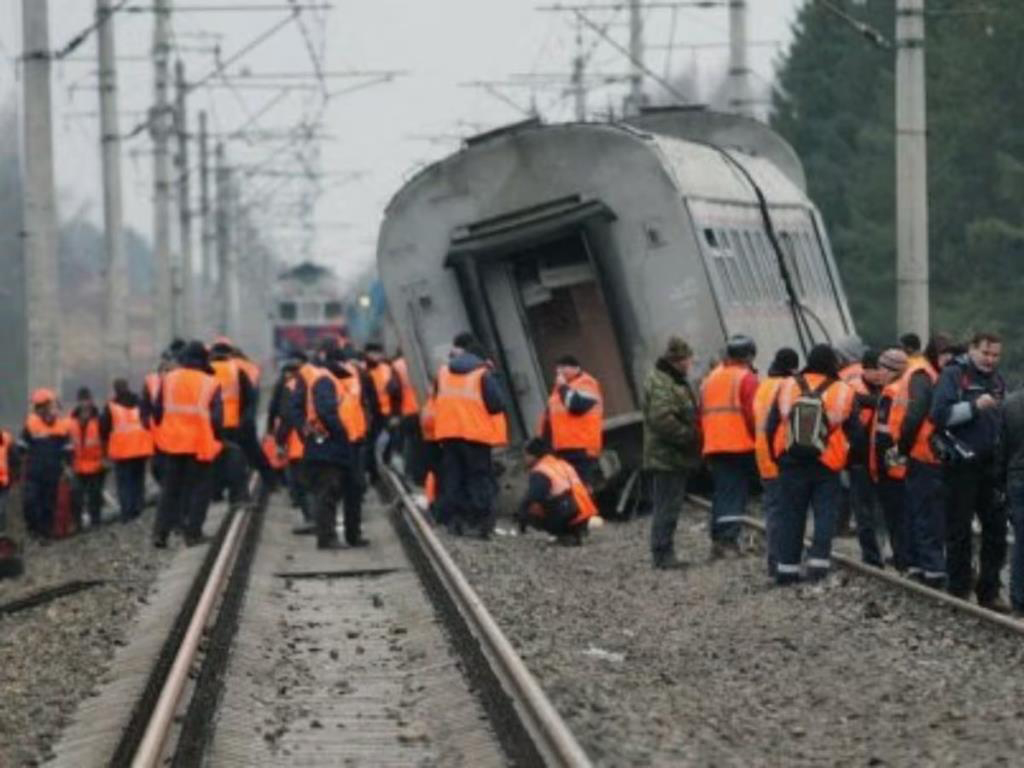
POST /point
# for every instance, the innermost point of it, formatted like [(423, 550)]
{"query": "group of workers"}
[(928, 437)]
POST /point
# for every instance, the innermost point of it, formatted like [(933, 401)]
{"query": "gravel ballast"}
[(52, 655), (716, 666)]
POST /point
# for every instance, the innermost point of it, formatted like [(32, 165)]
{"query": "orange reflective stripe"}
[(461, 412), (39, 429), (129, 439), (723, 425), (186, 427), (571, 432)]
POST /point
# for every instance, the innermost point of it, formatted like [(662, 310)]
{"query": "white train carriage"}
[(604, 240)]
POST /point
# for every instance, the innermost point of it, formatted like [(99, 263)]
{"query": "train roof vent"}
[(657, 109), (480, 138)]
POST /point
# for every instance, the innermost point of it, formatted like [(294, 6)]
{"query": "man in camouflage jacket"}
[(671, 445)]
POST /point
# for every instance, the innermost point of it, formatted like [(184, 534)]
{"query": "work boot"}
[(670, 563), (995, 604), (306, 529), (195, 539), (329, 544), (358, 542)]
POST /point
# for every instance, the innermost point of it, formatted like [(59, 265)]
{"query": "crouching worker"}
[(556, 499)]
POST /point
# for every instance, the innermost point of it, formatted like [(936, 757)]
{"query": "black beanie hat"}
[(822, 359), (785, 363)]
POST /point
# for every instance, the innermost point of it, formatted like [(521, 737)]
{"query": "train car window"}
[(748, 261), (287, 310), (735, 266), (333, 310), (771, 267), (793, 260), (757, 260), (817, 258), (709, 237)]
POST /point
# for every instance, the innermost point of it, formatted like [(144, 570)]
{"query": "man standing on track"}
[(189, 416), (46, 445), (87, 441), (129, 442), (965, 411), (671, 446), (238, 398), (727, 424), (888, 467)]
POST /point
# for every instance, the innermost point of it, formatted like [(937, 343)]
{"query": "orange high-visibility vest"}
[(251, 370), (128, 438), (851, 372), (227, 373), (187, 428), (381, 374), (837, 402), (563, 480), (410, 403), (585, 431), (5, 457), (721, 412), (428, 419), (88, 458), (461, 412), (922, 448), (896, 395), (350, 404), (39, 429), (764, 399)]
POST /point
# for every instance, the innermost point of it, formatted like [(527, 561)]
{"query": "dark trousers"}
[(864, 510), (732, 473), (130, 476), (87, 496), (298, 488), (669, 492), (231, 469), (892, 495), (1015, 497), (185, 496), (584, 465), (409, 440), (4, 496), (771, 503), (255, 459), (969, 491), (40, 501), (926, 513), (802, 487), (330, 484), (468, 485)]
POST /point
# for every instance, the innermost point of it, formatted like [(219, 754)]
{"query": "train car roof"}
[(693, 146)]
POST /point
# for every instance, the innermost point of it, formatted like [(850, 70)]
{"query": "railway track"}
[(282, 654)]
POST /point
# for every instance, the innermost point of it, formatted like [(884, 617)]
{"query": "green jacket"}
[(671, 426)]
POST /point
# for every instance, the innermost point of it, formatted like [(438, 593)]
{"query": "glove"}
[(894, 459)]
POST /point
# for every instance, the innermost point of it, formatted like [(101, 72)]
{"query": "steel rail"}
[(551, 736), (150, 752), (889, 577)]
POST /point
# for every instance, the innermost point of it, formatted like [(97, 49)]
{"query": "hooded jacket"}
[(671, 421)]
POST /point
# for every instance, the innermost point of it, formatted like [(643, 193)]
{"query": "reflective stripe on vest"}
[(39, 429), (837, 401), (460, 408), (128, 438), (764, 399), (584, 431), (227, 373), (723, 425), (410, 403), (186, 427)]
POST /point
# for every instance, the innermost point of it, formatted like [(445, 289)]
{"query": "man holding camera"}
[(965, 411)]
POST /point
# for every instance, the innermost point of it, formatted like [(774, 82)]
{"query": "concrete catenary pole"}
[(636, 99), (227, 285), (911, 171), (40, 213), (207, 242), (740, 101), (188, 321), (118, 350), (167, 324)]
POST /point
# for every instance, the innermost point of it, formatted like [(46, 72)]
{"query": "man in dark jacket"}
[(966, 403), (468, 484), (329, 457), (45, 443), (1010, 470), (671, 446)]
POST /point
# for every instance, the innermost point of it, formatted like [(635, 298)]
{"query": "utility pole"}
[(188, 324), (227, 286), (636, 99), (118, 350), (207, 237), (740, 100), (911, 171), (165, 294), (577, 88), (43, 326)]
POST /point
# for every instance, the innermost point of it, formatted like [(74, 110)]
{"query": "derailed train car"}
[(604, 240)]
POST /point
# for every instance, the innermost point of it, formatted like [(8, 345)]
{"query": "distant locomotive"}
[(603, 240), (308, 306)]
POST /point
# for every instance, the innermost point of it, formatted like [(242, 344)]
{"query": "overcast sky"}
[(382, 132)]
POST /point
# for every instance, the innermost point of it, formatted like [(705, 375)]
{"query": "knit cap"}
[(894, 360)]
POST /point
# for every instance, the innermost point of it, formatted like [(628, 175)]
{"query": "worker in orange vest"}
[(336, 421), (288, 437), (809, 428), (189, 416), (859, 501), (470, 412), (8, 471), (573, 419), (388, 389), (150, 392), (556, 500), (925, 497), (431, 449), (783, 366), (45, 445), (250, 442), (888, 468), (238, 397), (125, 430), (727, 425), (407, 437), (88, 466)]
